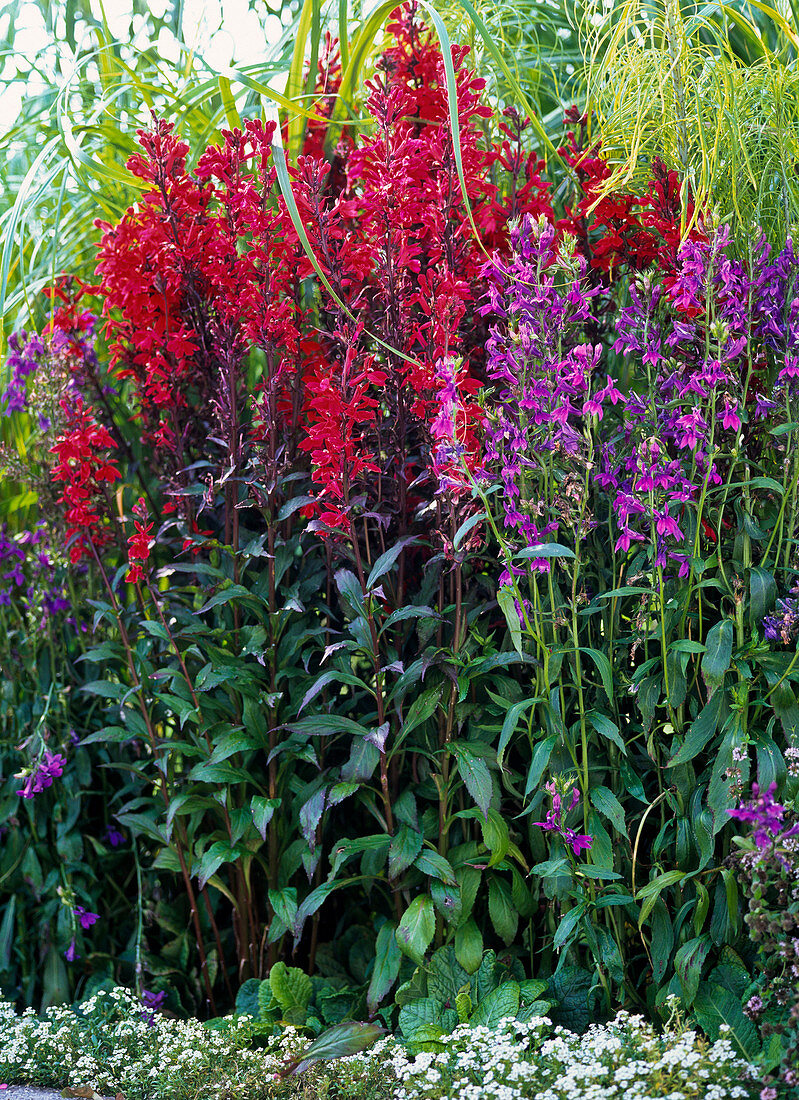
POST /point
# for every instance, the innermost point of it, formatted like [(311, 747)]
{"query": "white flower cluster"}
[(623, 1060), (110, 1046)]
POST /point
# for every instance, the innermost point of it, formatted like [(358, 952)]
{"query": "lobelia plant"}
[(644, 537), (766, 861)]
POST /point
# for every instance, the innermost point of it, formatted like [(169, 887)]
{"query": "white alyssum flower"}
[(111, 1047)]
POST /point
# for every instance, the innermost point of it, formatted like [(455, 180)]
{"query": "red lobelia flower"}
[(84, 468)]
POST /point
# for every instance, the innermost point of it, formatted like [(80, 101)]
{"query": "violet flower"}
[(152, 1002), (85, 918), (543, 371), (49, 768), (113, 836), (578, 842), (766, 815)]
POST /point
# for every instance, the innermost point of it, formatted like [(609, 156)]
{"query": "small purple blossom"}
[(783, 625), (152, 1002), (85, 918), (766, 815), (48, 768), (71, 952), (578, 842), (113, 836)]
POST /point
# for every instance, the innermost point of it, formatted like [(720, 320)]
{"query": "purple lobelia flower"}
[(448, 451), (71, 953), (695, 341), (28, 574), (48, 768), (85, 918), (783, 625), (578, 842), (543, 370), (23, 360)]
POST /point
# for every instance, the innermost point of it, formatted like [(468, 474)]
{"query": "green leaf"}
[(605, 801), (431, 863), (284, 904), (545, 550), (210, 861), (386, 561), (475, 775), (466, 527), (263, 810), (292, 990), (607, 728), (718, 655), (445, 976), (331, 676), (387, 966), (232, 592), (448, 900), (762, 594), (7, 934), (405, 846), (509, 725), (715, 1005), (422, 708), (501, 1003), (567, 926), (532, 989), (247, 998), (543, 751), (688, 963), (570, 989), (662, 940), (338, 1042), (469, 946), (506, 598), (417, 928), (417, 1015), (700, 731), (496, 836), (603, 667), (503, 915), (652, 890)]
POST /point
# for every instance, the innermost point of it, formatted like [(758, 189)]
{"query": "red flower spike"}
[(84, 469)]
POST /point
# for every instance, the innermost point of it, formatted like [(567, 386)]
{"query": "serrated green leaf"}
[(605, 801), (417, 928), (476, 777), (404, 847), (431, 863)]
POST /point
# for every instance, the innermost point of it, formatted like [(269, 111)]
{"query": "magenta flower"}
[(766, 815), (578, 842), (50, 767), (86, 918)]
